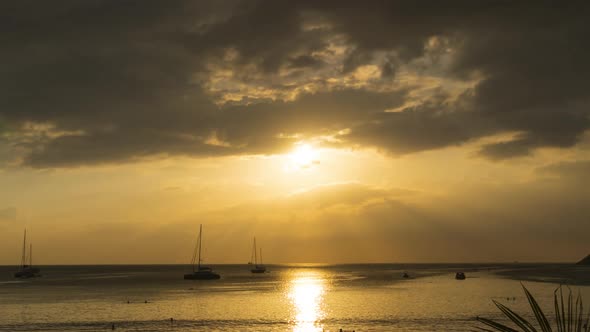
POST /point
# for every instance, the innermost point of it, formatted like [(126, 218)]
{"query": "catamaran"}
[(258, 268), (200, 272), (26, 269)]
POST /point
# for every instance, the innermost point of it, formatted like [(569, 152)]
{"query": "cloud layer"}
[(87, 83)]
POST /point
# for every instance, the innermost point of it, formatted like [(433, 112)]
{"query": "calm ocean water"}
[(289, 298)]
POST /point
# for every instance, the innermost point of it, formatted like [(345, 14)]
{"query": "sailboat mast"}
[(31, 255), (23, 259), (255, 256), (260, 256), (252, 254), (200, 237), (194, 257)]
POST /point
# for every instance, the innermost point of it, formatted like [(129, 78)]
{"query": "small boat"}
[(460, 276), (406, 276), (258, 268), (26, 269), (200, 272)]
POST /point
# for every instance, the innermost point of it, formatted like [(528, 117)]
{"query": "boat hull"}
[(27, 273), (258, 270)]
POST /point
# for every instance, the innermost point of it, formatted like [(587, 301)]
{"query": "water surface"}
[(289, 298)]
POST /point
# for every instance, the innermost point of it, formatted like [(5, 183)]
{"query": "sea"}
[(299, 297)]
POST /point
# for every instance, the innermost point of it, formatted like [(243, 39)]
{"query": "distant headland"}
[(584, 261)]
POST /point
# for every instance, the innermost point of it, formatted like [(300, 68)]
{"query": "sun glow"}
[(306, 294), (303, 157)]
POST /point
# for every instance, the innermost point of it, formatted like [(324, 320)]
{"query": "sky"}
[(333, 131)]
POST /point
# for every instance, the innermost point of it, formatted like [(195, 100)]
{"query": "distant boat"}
[(26, 269), (460, 276), (406, 276), (258, 268), (200, 272)]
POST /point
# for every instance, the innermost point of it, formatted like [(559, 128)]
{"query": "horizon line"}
[(310, 264)]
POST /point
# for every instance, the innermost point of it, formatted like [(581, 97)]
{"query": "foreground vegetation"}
[(569, 316)]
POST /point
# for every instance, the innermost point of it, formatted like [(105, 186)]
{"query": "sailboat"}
[(258, 268), (26, 264), (200, 272)]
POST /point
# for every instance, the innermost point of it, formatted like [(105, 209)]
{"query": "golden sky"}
[(334, 132)]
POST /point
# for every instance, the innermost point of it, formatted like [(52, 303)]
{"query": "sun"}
[(304, 156)]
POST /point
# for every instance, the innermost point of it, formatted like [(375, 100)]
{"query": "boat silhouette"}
[(26, 264), (200, 272), (258, 268)]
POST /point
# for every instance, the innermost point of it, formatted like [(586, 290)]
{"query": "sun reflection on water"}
[(306, 295)]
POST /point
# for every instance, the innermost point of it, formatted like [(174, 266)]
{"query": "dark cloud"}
[(388, 70), (262, 128), (121, 80), (432, 125), (576, 170), (504, 150), (305, 61)]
